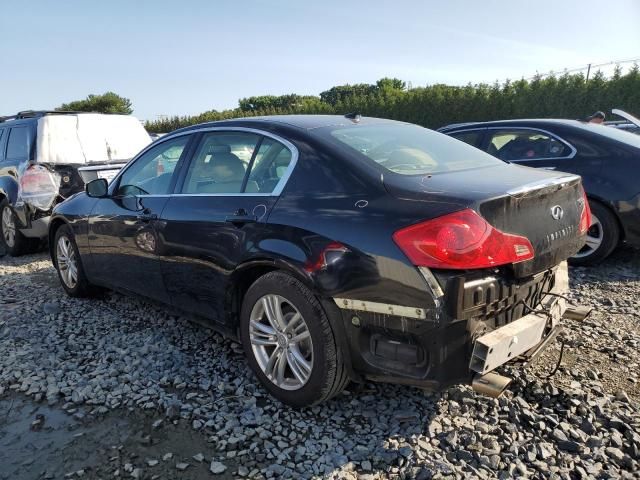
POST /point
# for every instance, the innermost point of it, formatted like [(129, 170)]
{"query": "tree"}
[(106, 103), (265, 102), (342, 93), (390, 84), (562, 96)]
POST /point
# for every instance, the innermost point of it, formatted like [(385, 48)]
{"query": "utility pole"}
[(588, 71)]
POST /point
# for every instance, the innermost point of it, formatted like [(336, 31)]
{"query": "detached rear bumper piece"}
[(519, 337), (530, 335)]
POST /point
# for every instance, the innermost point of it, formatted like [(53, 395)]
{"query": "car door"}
[(221, 205), (123, 228)]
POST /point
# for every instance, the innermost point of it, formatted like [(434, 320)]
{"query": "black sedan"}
[(335, 248), (607, 159)]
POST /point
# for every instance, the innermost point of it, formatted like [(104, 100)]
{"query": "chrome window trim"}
[(573, 153), (105, 166), (277, 191)]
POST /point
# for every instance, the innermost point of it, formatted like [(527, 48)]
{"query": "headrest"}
[(213, 149)]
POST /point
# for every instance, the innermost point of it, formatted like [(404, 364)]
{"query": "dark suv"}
[(47, 156)]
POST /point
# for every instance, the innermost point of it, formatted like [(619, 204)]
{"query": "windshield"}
[(411, 150)]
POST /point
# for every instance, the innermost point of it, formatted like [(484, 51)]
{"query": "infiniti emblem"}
[(557, 212)]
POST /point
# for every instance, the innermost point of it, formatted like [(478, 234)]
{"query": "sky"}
[(183, 58)]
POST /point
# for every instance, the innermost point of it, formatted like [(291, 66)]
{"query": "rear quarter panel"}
[(328, 200)]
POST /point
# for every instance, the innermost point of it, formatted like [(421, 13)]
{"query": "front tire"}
[(603, 237), (12, 240), (289, 342), (68, 263)]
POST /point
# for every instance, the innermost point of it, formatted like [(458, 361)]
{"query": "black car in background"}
[(607, 159), (335, 248)]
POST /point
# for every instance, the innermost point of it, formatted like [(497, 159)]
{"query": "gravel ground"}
[(115, 387)]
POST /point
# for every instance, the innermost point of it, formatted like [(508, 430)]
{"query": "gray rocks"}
[(217, 467), (97, 356), (51, 308), (198, 457)]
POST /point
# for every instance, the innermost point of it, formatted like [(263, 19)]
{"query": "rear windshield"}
[(411, 150), (613, 133)]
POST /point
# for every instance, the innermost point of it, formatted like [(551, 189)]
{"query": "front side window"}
[(408, 149), (18, 144), (470, 137), (220, 163), (522, 144), (151, 173)]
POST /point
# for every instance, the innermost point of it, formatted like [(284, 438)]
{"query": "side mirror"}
[(97, 188)]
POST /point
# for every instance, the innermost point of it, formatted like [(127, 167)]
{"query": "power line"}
[(587, 67)]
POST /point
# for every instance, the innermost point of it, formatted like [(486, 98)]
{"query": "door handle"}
[(146, 217), (241, 219)]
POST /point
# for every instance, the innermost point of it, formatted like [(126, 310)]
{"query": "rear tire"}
[(289, 342), (12, 241), (67, 261), (603, 237)]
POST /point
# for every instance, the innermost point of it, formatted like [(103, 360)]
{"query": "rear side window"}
[(522, 144), (409, 149), (18, 145), (471, 137), (270, 165)]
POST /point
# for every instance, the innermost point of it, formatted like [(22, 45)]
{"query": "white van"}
[(45, 157)]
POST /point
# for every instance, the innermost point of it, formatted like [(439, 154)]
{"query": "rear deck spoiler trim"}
[(529, 187)]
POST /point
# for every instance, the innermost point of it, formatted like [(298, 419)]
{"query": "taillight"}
[(585, 215), (39, 186), (461, 240)]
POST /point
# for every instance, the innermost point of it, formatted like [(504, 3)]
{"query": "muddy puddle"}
[(42, 442)]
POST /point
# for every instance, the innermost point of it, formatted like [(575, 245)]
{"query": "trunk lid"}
[(543, 206)]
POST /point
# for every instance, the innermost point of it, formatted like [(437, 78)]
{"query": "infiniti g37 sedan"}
[(335, 249)]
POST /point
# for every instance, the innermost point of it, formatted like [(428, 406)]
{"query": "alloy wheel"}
[(281, 342), (67, 262), (595, 236), (8, 227)]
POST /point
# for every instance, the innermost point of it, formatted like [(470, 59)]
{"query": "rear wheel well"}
[(240, 284), (243, 279), (53, 228), (613, 214)]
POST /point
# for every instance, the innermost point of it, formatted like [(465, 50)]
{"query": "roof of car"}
[(305, 122), (27, 114), (530, 121)]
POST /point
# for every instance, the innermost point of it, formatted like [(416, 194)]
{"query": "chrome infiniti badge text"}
[(563, 233)]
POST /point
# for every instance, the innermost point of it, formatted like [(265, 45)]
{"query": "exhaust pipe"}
[(490, 384)]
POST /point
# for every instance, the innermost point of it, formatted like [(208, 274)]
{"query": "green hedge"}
[(565, 96)]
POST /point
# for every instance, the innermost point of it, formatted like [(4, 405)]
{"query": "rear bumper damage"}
[(432, 350)]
